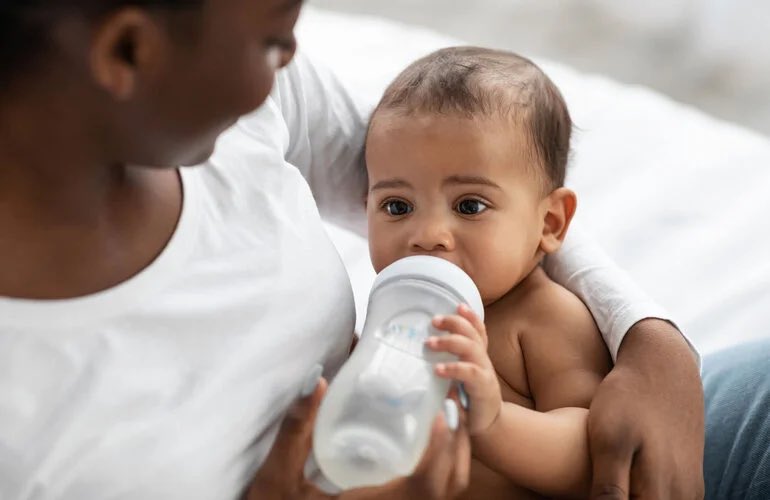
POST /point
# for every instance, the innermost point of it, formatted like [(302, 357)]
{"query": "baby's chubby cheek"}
[(378, 262), (495, 277), (379, 252)]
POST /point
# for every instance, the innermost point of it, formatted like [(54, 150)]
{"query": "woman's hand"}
[(467, 339), (442, 473), (646, 431)]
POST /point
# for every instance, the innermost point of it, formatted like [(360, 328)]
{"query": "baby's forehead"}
[(445, 145), (499, 134), (391, 119)]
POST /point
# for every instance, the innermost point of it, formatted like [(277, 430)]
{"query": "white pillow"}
[(678, 199)]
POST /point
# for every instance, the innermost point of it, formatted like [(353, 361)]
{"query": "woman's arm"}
[(646, 422), (326, 124), (648, 412), (615, 301)]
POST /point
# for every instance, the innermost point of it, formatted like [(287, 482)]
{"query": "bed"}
[(678, 199)]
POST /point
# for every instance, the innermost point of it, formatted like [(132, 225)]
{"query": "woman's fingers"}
[(433, 471), (283, 468), (462, 458), (442, 472)]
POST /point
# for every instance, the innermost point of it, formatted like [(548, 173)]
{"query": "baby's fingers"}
[(459, 325), (462, 347), (467, 313), (470, 374)]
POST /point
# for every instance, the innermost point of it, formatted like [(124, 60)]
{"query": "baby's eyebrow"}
[(470, 179), (389, 184)]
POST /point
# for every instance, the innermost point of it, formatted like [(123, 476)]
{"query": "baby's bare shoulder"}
[(553, 311), (564, 352), (541, 309)]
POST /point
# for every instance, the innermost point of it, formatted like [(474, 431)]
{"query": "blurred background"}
[(712, 54)]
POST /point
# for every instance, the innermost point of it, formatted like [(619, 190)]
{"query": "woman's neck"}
[(72, 222)]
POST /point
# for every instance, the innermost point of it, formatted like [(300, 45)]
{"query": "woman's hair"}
[(25, 26)]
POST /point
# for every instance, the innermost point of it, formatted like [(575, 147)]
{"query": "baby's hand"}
[(467, 339)]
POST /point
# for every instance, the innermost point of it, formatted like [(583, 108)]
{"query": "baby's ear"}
[(558, 210)]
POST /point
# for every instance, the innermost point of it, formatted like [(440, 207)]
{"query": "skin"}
[(467, 190), (76, 204), (648, 442)]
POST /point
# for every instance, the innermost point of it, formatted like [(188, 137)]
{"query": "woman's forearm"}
[(545, 452)]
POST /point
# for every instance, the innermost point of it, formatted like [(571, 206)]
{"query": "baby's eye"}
[(397, 208), (471, 206)]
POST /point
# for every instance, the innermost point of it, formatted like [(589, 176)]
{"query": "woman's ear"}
[(125, 44), (558, 210)]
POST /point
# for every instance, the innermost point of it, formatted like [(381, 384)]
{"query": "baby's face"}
[(460, 189)]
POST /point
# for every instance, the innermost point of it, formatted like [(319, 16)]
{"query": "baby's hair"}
[(473, 81), (25, 26)]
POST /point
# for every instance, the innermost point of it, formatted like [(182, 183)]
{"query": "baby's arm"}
[(543, 452), (565, 357)]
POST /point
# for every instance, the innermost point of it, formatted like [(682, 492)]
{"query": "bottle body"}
[(375, 421)]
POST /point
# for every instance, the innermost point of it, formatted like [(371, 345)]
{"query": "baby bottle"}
[(374, 422)]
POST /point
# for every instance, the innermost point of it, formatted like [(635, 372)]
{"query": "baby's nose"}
[(432, 237)]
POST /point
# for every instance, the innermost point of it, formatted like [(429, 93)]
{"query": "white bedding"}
[(678, 199)]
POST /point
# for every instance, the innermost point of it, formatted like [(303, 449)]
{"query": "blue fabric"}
[(737, 456)]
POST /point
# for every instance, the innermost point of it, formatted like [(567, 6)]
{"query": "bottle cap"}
[(438, 271)]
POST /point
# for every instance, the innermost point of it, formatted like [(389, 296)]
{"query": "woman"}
[(157, 322)]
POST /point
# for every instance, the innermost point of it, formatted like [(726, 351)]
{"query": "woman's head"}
[(156, 80)]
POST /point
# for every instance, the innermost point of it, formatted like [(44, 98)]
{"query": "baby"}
[(466, 155)]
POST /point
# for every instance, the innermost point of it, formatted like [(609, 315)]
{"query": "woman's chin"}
[(199, 157)]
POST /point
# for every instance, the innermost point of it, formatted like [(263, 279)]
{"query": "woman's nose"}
[(432, 237)]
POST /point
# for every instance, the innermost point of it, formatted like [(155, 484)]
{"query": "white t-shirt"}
[(171, 384)]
